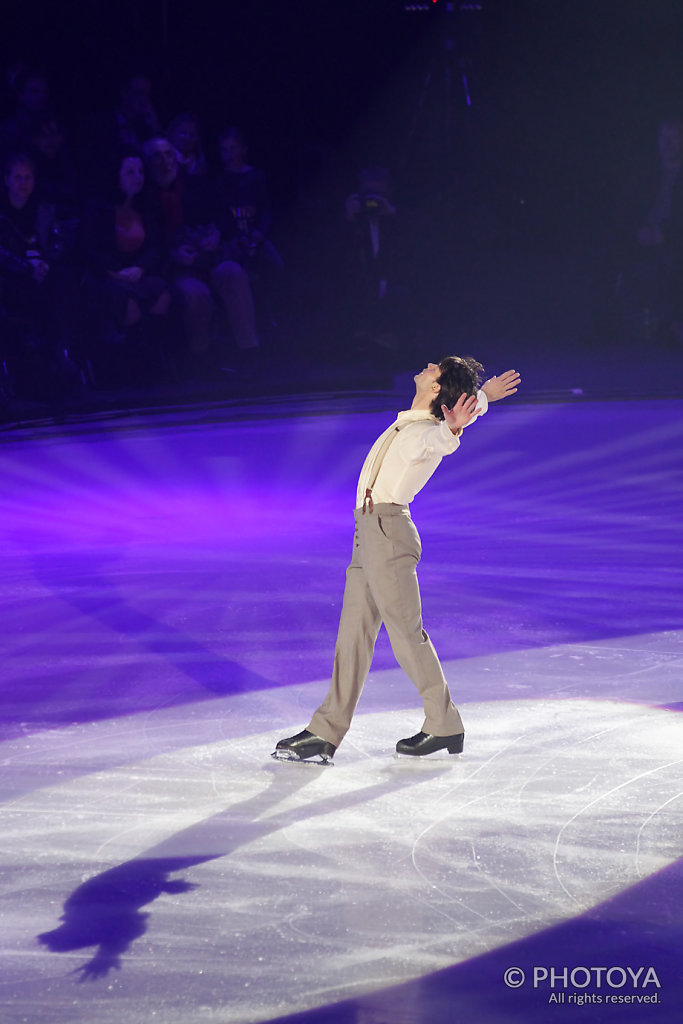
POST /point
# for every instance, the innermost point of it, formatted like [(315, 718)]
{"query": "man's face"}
[(233, 152), (425, 380), (137, 96), (185, 137), (20, 183), (163, 164), (131, 176)]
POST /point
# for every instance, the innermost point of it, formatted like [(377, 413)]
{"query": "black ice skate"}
[(422, 744), (305, 746)]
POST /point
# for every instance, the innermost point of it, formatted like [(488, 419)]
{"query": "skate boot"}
[(305, 746), (422, 744)]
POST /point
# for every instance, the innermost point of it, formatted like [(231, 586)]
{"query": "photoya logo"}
[(563, 978)]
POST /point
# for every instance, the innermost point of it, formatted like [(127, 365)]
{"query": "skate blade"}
[(321, 760), (428, 758)]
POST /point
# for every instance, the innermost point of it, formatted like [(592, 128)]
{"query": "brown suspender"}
[(388, 441)]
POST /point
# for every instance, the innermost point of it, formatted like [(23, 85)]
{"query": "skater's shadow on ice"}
[(106, 910)]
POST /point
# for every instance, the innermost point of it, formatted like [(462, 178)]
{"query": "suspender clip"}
[(367, 501)]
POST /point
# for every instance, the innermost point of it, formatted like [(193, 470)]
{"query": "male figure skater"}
[(381, 580)]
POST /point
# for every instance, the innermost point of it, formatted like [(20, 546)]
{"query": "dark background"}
[(508, 199)]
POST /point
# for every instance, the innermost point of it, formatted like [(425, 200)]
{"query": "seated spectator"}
[(22, 237), (123, 249), (55, 169), (184, 135), (37, 293), (32, 90), (243, 206), (136, 116), (649, 216), (129, 126), (202, 270)]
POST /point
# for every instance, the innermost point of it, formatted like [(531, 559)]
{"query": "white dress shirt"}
[(410, 460)]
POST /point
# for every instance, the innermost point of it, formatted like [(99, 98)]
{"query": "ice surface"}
[(188, 874), (169, 601)]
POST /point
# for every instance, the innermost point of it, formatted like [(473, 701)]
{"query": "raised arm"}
[(502, 386), (462, 413)]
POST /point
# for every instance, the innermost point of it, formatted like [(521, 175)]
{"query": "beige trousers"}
[(381, 586)]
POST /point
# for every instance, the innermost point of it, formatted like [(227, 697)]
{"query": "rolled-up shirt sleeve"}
[(434, 438), (482, 406)]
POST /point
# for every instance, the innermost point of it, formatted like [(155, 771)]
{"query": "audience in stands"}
[(129, 238), (243, 205), (38, 299), (31, 89), (124, 257), (202, 273), (244, 217), (184, 135), (129, 125), (136, 118), (56, 171)]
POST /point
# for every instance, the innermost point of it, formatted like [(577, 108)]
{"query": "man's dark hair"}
[(184, 118), (112, 189), (459, 376)]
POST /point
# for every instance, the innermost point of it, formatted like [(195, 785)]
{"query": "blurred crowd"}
[(124, 256), (129, 256)]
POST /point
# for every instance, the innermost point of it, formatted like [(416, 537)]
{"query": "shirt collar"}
[(416, 414)]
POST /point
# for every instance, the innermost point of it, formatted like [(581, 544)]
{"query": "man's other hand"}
[(500, 387), (462, 413)]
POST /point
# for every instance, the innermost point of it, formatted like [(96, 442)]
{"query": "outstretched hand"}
[(500, 387), (462, 413)]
